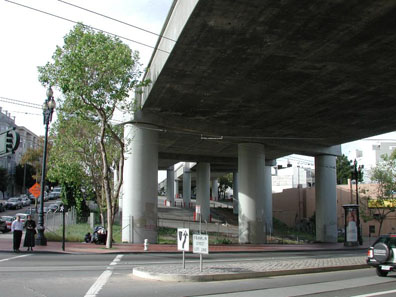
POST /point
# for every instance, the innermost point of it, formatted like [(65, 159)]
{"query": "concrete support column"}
[(187, 184), (215, 190), (170, 184), (203, 189), (235, 200), (118, 215), (176, 187), (251, 168), (139, 216), (326, 198), (115, 181), (268, 199)]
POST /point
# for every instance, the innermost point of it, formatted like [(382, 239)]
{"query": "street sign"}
[(183, 239), (198, 209), (35, 190), (200, 244)]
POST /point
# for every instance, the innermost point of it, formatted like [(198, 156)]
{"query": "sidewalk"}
[(216, 271), (91, 248)]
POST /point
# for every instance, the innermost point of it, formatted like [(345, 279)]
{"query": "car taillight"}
[(370, 253)]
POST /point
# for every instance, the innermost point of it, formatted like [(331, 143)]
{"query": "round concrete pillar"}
[(251, 168), (176, 187), (235, 201), (170, 182), (268, 199), (215, 190), (139, 216), (187, 184), (203, 189), (326, 198)]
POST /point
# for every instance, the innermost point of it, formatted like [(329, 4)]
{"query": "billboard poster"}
[(351, 225)]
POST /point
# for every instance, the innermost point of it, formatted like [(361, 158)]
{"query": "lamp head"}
[(50, 93)]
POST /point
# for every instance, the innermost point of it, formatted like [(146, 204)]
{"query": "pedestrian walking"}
[(30, 226), (16, 229)]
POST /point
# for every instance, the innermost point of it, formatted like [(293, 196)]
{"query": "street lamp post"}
[(48, 109), (356, 174)]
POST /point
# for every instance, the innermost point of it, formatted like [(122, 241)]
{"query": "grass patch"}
[(76, 233)]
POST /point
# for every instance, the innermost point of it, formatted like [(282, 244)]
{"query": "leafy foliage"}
[(33, 157), (95, 73), (224, 183), (384, 175), (344, 168), (25, 173)]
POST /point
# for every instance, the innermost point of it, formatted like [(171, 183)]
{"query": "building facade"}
[(27, 140)]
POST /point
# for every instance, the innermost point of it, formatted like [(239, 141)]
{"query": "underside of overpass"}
[(246, 82), (296, 76)]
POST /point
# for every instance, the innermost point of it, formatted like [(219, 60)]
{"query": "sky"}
[(29, 38)]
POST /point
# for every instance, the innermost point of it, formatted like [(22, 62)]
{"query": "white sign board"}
[(183, 239), (200, 244), (197, 208)]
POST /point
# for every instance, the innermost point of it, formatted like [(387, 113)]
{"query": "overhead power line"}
[(19, 102), (75, 22), (116, 20)]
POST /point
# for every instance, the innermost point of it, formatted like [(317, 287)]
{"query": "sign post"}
[(63, 209), (198, 212), (183, 242), (35, 190), (200, 246)]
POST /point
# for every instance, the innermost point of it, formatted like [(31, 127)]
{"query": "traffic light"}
[(9, 142)]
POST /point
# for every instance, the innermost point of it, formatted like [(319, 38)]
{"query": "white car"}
[(55, 194), (23, 216), (25, 201)]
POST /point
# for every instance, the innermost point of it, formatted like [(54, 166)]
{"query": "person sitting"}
[(87, 237)]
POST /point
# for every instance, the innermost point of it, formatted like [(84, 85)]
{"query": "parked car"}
[(25, 201), (59, 203), (55, 194), (8, 220), (3, 226), (382, 254), (14, 203), (31, 210), (23, 216), (53, 207)]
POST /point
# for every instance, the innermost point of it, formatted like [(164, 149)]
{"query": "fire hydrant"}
[(146, 244)]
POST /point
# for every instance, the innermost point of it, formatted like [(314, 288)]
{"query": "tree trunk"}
[(380, 227)]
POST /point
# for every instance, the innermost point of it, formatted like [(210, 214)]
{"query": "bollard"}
[(146, 244)]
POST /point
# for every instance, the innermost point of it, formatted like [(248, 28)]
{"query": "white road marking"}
[(103, 278), (376, 293), (8, 259)]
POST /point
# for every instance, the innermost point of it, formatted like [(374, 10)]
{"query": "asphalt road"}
[(110, 275)]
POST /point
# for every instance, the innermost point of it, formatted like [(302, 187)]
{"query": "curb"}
[(90, 252), (244, 275)]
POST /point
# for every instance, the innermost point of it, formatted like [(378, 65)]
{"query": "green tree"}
[(95, 73), (224, 183), (76, 162), (344, 169), (377, 207), (3, 180), (24, 172), (33, 157)]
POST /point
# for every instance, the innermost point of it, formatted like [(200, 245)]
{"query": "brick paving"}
[(247, 269)]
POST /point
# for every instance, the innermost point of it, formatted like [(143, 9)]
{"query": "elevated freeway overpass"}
[(236, 84)]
